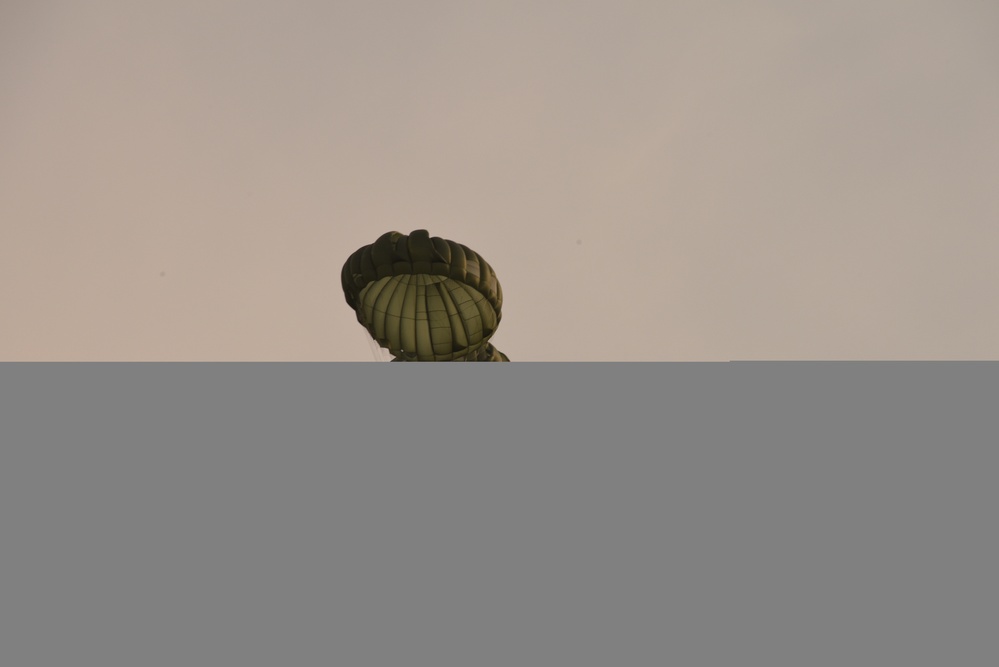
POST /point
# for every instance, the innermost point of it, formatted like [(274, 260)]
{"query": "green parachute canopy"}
[(425, 298)]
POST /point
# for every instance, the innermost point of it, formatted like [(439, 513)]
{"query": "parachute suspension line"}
[(378, 353)]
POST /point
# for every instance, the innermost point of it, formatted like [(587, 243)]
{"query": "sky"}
[(651, 180)]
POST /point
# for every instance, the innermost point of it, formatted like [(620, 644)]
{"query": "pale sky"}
[(655, 180)]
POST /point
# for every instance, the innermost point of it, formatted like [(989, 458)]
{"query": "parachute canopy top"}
[(425, 298)]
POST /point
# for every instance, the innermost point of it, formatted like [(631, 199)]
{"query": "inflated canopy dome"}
[(425, 298)]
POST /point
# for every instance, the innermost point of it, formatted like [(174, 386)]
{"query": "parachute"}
[(425, 298)]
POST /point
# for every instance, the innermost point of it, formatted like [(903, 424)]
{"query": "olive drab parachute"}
[(425, 298)]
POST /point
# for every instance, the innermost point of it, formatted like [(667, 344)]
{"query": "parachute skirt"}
[(425, 298)]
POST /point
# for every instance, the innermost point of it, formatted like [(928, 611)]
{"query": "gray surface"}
[(786, 514)]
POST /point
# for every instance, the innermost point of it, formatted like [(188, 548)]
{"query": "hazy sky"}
[(651, 180)]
